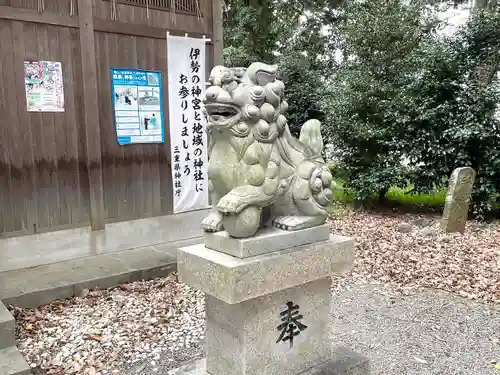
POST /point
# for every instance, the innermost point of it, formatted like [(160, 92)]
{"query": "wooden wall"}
[(53, 6), (141, 16), (66, 169), (44, 180), (137, 178)]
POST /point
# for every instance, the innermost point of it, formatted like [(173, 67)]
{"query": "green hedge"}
[(395, 195)]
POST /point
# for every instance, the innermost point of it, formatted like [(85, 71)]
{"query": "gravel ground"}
[(152, 326), (424, 333), (168, 360), (427, 333)]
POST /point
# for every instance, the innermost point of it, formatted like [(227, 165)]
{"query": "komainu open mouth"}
[(221, 113)]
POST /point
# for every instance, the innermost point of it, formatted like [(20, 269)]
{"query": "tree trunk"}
[(483, 5), (381, 194)]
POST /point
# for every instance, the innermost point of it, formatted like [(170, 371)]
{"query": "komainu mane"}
[(259, 174)]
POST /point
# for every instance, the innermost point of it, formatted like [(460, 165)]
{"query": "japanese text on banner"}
[(188, 137)]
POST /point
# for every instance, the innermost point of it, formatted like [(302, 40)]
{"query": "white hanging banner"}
[(186, 85)]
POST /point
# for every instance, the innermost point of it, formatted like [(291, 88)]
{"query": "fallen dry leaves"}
[(104, 329), (467, 264)]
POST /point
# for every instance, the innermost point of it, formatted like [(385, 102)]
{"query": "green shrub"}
[(337, 172), (367, 92), (411, 94)]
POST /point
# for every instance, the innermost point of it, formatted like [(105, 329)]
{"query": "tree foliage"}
[(276, 32), (451, 118), (386, 85), (409, 93), (380, 40)]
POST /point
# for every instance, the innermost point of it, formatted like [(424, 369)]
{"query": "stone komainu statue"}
[(259, 174)]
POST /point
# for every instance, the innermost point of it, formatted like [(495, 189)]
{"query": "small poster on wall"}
[(137, 98), (43, 82)]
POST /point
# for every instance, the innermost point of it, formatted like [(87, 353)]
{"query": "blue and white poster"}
[(137, 98)]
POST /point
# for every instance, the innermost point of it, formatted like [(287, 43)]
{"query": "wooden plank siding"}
[(42, 188), (91, 116), (134, 15), (136, 177), (61, 170), (51, 8)]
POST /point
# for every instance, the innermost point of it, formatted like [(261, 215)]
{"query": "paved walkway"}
[(427, 333), (59, 246), (43, 284), (37, 269)]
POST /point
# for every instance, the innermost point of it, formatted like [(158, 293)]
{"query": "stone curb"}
[(11, 359), (12, 362), (48, 295), (30, 288)]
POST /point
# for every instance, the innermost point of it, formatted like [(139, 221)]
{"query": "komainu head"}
[(246, 100)]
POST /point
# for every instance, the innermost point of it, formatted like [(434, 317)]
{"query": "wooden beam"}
[(30, 15), (99, 24), (167, 7), (217, 32), (91, 114), (117, 27)]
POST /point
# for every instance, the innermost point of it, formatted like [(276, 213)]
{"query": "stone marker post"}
[(268, 256), (457, 200)]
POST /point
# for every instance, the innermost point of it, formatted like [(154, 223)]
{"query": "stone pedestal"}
[(269, 314), (344, 362)]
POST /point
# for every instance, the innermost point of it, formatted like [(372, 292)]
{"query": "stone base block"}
[(12, 362), (234, 280), (343, 362), (266, 241), (286, 332), (7, 328)]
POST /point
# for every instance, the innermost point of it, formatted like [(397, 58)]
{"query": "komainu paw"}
[(213, 222)]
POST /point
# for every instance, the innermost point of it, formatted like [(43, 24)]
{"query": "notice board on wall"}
[(137, 102)]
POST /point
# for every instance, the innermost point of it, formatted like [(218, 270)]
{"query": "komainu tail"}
[(310, 135)]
